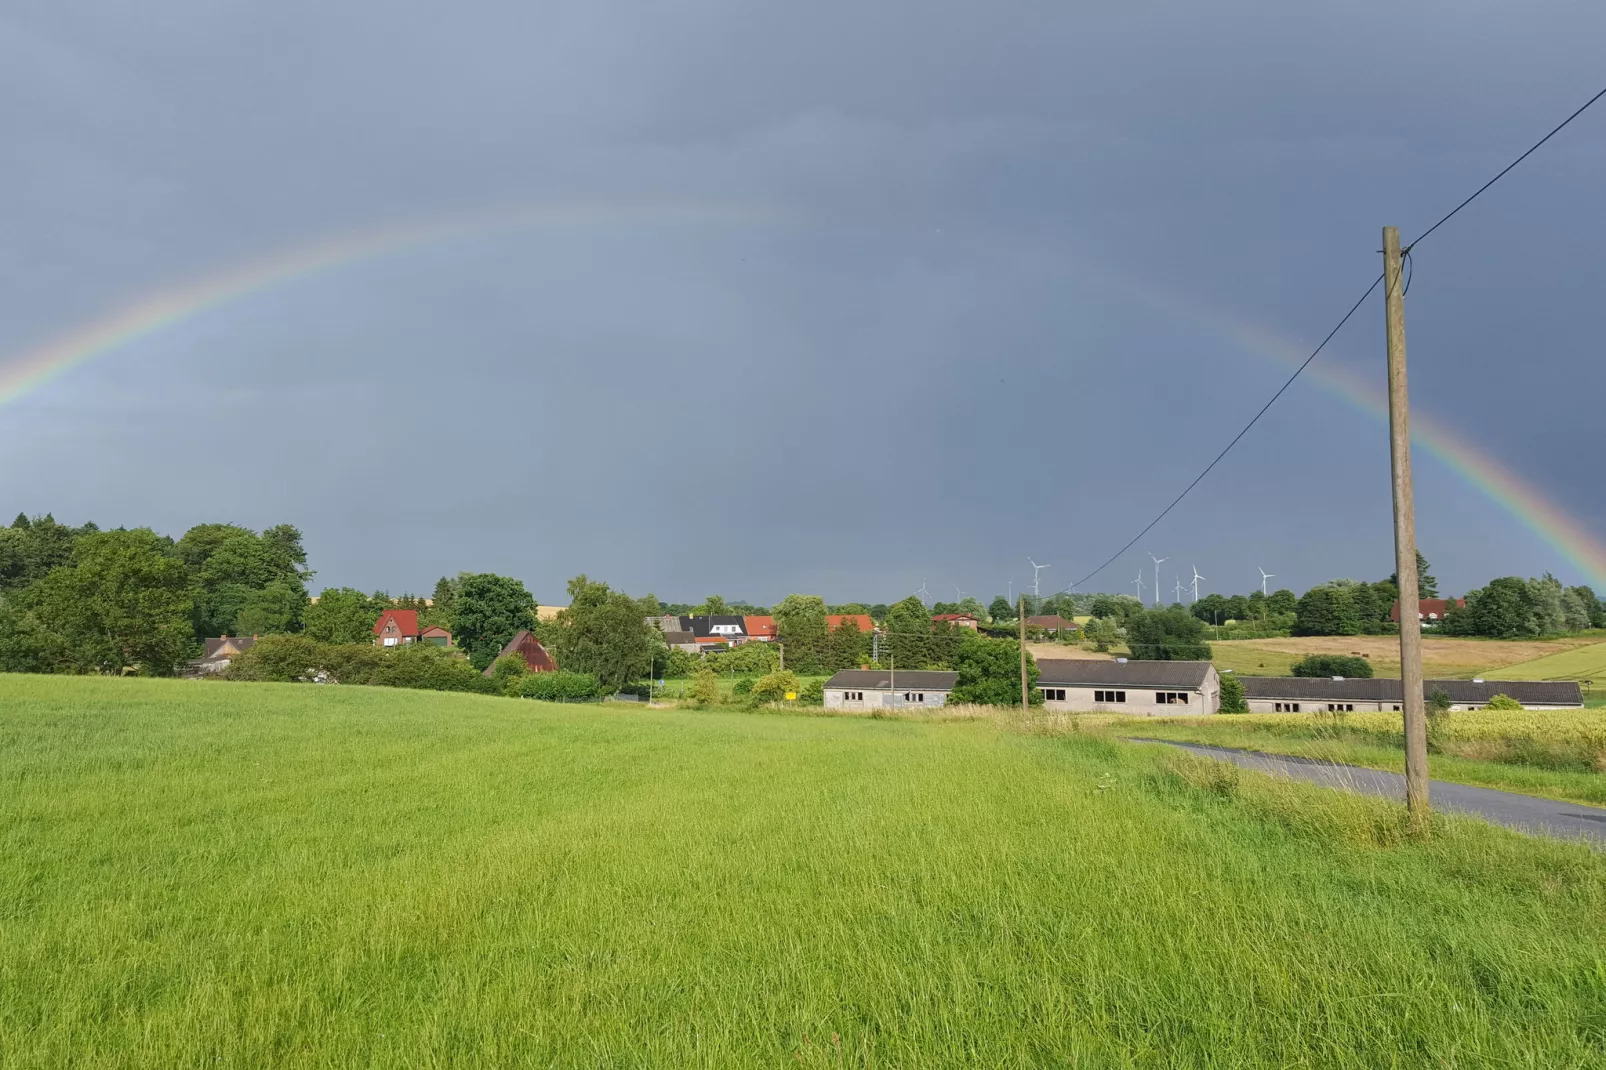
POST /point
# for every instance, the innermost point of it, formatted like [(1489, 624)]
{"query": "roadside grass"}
[(1443, 657), (247, 875), (1558, 754)]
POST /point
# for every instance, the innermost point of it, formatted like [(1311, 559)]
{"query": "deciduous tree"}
[(602, 632), (1167, 635), (487, 611)]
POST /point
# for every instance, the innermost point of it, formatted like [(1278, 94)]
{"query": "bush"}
[(1502, 702), (508, 673), (704, 688), (813, 693), (1345, 665), (558, 686), (743, 686), (297, 659), (774, 687), (1233, 699)]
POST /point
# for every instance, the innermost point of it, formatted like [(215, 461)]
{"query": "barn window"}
[(1053, 694)]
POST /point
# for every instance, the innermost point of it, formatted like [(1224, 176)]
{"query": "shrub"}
[(1502, 702), (558, 686), (297, 659), (774, 687), (508, 672), (1345, 665), (704, 687), (1233, 699), (813, 693), (743, 686)]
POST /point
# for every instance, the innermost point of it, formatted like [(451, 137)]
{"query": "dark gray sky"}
[(827, 312)]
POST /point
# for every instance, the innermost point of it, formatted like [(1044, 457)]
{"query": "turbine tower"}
[(1157, 562), (1036, 568), (1196, 579), (922, 592), (1179, 588), (1139, 582), (1264, 576), (959, 596)]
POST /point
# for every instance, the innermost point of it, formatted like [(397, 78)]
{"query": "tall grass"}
[(270, 875)]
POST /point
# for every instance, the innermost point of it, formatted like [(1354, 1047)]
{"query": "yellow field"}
[(1579, 663), (1587, 727), (1445, 659)]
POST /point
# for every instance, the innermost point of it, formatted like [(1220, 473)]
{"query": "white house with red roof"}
[(396, 627)]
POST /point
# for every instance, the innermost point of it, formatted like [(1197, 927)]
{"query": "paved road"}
[(1526, 813)]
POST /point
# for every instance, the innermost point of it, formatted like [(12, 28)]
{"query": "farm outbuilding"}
[(868, 689), (1152, 688)]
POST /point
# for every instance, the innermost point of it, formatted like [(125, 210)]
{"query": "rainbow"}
[(151, 314), (155, 312)]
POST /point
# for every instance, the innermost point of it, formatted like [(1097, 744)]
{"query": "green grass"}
[(1318, 739), (1580, 663), (240, 875)]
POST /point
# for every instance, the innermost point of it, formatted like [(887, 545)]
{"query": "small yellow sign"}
[(791, 696)]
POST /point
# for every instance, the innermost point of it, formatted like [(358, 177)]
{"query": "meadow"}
[(249, 875), (1583, 663), (1560, 754), (1443, 657)]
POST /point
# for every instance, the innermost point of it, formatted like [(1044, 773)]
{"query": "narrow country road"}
[(1526, 813)]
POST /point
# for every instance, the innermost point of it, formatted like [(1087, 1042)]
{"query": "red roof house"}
[(865, 624), (536, 658), (761, 629), (396, 627), (1432, 609), (958, 620), (1051, 623)]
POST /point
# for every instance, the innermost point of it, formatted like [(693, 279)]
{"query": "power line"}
[(1315, 352)]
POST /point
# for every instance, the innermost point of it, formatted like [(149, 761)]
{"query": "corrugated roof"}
[(1388, 689), (1085, 672), (881, 680)]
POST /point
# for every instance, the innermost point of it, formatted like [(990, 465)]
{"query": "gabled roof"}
[(881, 680), (529, 647), (434, 629), (866, 625), (704, 627), (759, 627), (1388, 689), (679, 638), (944, 618), (1051, 621), (406, 621), (1085, 672), (238, 642)]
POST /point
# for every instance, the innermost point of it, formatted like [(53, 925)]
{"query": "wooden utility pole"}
[(1416, 736), (1025, 702)]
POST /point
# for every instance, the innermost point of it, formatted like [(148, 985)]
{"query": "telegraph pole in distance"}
[(1024, 703), (1416, 739)]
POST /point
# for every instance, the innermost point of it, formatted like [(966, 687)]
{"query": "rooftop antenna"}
[(1139, 582), (1264, 576), (1036, 568), (1196, 579), (1157, 562)]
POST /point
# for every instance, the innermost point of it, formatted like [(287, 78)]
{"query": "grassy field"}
[(1560, 754), (1442, 658), (244, 875), (1577, 663)]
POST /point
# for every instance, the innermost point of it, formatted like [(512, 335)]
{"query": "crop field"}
[(254, 875), (1556, 753), (1442, 658), (1578, 663)]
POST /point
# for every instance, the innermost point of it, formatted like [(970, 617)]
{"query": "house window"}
[(1287, 707), (1053, 694), (390, 640), (1396, 709), (1109, 696), (1171, 698), (853, 696), (914, 696)]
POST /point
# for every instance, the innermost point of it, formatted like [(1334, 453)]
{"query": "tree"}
[(909, 633), (1596, 608), (971, 605), (1102, 632), (650, 606), (122, 601), (713, 606), (800, 624), (1167, 635), (487, 611), (1502, 610), (1545, 605), (1281, 601), (1324, 665), (341, 615), (1575, 610), (846, 647), (1237, 607), (1426, 585), (602, 632), (1502, 702), (775, 686), (29, 549), (507, 673), (230, 563), (1326, 610), (270, 610), (1000, 609), (1233, 696), (1212, 609), (704, 687), (988, 672)]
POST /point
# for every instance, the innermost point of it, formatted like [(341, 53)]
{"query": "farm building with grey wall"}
[(873, 689), (1296, 694), (1140, 688)]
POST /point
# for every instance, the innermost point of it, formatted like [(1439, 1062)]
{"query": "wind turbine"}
[(1178, 588), (1196, 579), (922, 592), (1264, 576), (1139, 582), (1157, 562), (1036, 568)]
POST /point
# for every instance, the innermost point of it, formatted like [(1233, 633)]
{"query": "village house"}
[(871, 689), (1052, 624), (862, 621), (219, 652), (435, 635), (1298, 694), (527, 646), (1143, 688), (720, 628), (759, 629), (956, 620), (1430, 610), (396, 627)]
